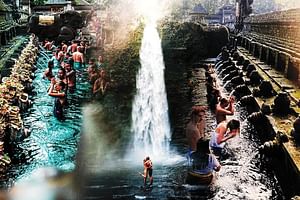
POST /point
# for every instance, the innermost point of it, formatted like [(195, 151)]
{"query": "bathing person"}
[(59, 95), (93, 72), (48, 72), (223, 108), (61, 75), (203, 161), (100, 85), (73, 47), (71, 77), (59, 56), (148, 170), (48, 45), (64, 47), (224, 132), (192, 131), (201, 123), (78, 58), (213, 99)]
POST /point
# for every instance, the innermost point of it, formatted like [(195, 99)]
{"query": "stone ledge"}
[(284, 124)]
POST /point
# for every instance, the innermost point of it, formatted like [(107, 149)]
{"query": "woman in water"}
[(203, 164)]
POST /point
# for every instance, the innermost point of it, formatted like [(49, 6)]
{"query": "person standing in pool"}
[(148, 170)]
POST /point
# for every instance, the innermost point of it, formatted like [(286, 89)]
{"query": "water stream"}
[(150, 120)]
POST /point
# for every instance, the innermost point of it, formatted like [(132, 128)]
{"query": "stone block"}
[(293, 69)]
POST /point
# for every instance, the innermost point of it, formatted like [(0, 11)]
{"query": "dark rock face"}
[(62, 28), (198, 41)]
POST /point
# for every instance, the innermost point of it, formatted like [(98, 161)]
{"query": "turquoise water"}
[(52, 143)]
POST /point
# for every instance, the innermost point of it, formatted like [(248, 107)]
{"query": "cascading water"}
[(150, 120)]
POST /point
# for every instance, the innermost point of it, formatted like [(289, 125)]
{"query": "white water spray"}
[(150, 120)]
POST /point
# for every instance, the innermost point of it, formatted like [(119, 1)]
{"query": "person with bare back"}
[(224, 108), (193, 133), (78, 58)]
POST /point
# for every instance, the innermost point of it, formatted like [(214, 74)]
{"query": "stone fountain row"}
[(14, 99)]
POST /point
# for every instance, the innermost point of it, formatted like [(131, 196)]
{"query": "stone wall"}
[(281, 24), (275, 39)]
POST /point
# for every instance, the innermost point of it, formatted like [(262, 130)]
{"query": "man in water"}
[(193, 133), (148, 170), (71, 77), (224, 108), (78, 58)]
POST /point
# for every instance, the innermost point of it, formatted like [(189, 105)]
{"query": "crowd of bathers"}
[(203, 146), (70, 58)]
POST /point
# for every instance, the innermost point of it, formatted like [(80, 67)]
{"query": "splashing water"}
[(150, 120)]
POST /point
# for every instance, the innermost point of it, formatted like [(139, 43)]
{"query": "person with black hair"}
[(224, 132), (203, 161), (59, 95), (203, 164), (48, 72)]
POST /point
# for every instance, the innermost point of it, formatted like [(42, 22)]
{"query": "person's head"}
[(61, 73), (60, 86), (198, 113), (100, 59), (203, 146), (102, 73), (233, 125), (223, 102), (67, 66), (91, 61), (216, 92)]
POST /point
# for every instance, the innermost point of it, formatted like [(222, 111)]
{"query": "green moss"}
[(122, 66)]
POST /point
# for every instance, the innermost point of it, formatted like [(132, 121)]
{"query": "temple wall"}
[(275, 39)]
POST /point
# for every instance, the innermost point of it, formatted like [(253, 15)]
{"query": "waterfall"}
[(150, 120)]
